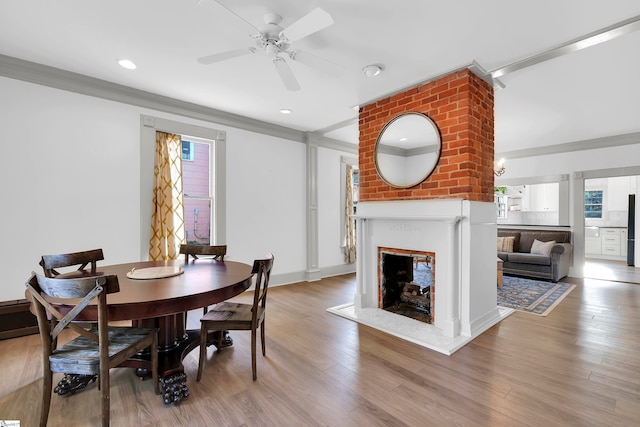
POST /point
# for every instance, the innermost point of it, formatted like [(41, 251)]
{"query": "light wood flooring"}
[(617, 271), (579, 366)]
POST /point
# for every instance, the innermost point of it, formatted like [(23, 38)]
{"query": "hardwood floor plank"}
[(630, 409), (577, 366)]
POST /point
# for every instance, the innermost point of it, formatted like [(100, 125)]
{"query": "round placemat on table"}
[(154, 272)]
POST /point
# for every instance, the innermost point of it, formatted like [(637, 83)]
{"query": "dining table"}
[(158, 294)]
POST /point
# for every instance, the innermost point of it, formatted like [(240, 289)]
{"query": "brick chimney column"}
[(461, 105)]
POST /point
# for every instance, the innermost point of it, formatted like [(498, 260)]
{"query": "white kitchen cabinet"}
[(592, 241), (610, 241), (542, 197), (605, 242), (619, 189)]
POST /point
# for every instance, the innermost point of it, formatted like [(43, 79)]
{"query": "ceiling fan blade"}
[(318, 63), (217, 57), (314, 21), (232, 12), (286, 75)]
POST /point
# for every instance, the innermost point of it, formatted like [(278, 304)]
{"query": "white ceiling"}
[(592, 93)]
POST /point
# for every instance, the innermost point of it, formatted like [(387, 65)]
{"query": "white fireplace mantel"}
[(462, 235), (447, 219)]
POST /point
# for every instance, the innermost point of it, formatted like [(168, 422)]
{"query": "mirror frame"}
[(429, 169)]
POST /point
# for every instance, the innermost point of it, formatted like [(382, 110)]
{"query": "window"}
[(593, 204), (216, 140), (198, 198), (187, 150), (501, 205), (355, 188), (352, 187), (344, 162)]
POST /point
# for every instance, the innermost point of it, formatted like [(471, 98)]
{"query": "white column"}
[(359, 300), (451, 325), (313, 270)]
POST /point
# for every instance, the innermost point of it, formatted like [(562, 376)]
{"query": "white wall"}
[(66, 173), (71, 176), (265, 199)]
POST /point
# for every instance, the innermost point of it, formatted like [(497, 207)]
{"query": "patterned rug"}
[(531, 296)]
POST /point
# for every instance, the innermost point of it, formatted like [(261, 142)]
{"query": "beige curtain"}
[(350, 229), (167, 219)]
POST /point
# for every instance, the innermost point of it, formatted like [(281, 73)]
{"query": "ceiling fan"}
[(276, 42)]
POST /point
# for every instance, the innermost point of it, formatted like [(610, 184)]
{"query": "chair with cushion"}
[(82, 259), (234, 316), (49, 263), (91, 352)]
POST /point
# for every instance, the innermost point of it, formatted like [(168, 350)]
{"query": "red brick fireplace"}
[(450, 214)]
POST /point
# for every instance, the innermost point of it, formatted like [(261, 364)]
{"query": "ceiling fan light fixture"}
[(373, 70), (271, 50)]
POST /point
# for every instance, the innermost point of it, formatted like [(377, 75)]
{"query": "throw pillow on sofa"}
[(505, 244), (542, 248)]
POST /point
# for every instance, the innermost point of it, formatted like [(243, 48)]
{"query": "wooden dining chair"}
[(215, 253), (82, 259), (49, 263), (234, 316), (91, 352)]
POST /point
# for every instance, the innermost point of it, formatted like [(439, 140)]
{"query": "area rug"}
[(531, 296)]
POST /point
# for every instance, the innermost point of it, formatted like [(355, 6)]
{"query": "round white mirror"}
[(407, 150)]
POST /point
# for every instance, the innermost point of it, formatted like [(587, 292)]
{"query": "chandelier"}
[(500, 169)]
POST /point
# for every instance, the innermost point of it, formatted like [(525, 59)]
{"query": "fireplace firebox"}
[(407, 285)]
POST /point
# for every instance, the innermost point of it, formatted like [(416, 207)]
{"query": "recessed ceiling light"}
[(286, 111), (373, 70), (125, 63)]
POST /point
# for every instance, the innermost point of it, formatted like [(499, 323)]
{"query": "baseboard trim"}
[(302, 276)]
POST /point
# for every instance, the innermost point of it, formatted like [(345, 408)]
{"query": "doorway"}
[(605, 215)]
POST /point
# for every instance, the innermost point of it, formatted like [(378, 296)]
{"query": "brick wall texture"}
[(461, 106)]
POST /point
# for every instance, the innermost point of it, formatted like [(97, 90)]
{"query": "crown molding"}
[(589, 144), (32, 72), (316, 138), (603, 35), (57, 78)]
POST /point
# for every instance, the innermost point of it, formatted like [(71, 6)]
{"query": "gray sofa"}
[(522, 262)]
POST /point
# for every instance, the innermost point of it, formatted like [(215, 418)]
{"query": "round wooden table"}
[(162, 303)]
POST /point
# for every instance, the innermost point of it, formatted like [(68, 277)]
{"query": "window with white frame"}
[(593, 201), (197, 183), (214, 226), (344, 162)]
